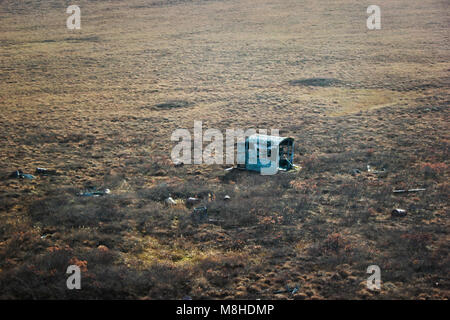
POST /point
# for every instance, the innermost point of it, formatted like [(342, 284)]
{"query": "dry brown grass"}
[(99, 106)]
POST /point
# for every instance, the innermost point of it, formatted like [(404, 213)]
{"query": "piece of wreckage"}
[(266, 154)]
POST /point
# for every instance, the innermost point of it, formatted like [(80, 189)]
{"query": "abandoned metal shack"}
[(264, 151)]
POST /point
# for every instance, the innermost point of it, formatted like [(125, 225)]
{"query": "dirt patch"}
[(83, 39), (173, 104), (317, 82)]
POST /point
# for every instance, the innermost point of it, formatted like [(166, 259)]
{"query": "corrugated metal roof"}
[(274, 140)]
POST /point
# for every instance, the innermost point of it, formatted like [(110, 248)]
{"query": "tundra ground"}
[(99, 105)]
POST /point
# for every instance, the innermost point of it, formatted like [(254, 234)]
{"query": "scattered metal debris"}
[(398, 213), (169, 201), (227, 197), (200, 214), (409, 190), (295, 290), (93, 192), (373, 170), (192, 200), (18, 174), (289, 290), (178, 164)]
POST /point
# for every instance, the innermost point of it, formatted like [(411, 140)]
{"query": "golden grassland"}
[(88, 103)]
